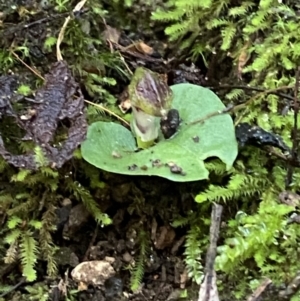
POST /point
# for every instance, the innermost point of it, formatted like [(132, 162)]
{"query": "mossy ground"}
[(153, 228)]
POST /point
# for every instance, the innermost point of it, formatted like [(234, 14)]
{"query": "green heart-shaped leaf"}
[(112, 147)]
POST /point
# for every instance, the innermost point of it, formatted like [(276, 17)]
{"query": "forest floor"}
[(141, 208)]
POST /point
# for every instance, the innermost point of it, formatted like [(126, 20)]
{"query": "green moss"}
[(255, 42), (260, 41)]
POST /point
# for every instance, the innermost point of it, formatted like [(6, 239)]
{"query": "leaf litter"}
[(58, 100)]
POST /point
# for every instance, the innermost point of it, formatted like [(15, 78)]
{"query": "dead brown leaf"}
[(143, 48), (59, 99)]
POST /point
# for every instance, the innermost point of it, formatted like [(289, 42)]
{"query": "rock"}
[(113, 288), (127, 257), (93, 272), (165, 237), (78, 217), (65, 256)]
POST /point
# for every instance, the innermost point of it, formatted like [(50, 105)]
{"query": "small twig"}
[(27, 66), (290, 171), (271, 150), (88, 251), (216, 113), (208, 289), (60, 38), (295, 162), (108, 111), (52, 17), (264, 92), (291, 289), (22, 281), (21, 26), (261, 288), (213, 237), (43, 200), (125, 64), (231, 108), (126, 50), (258, 89)]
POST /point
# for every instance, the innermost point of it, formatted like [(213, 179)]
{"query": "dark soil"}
[(135, 204), (141, 208)]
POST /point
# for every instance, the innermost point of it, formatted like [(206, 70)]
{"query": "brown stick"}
[(295, 147), (258, 89), (88, 251), (208, 289), (291, 289), (216, 113), (257, 293)]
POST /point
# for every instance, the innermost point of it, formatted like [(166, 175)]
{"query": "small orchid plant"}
[(151, 99)]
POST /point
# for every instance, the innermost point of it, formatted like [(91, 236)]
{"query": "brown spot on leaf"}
[(196, 139), (156, 163), (132, 167), (174, 168)]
